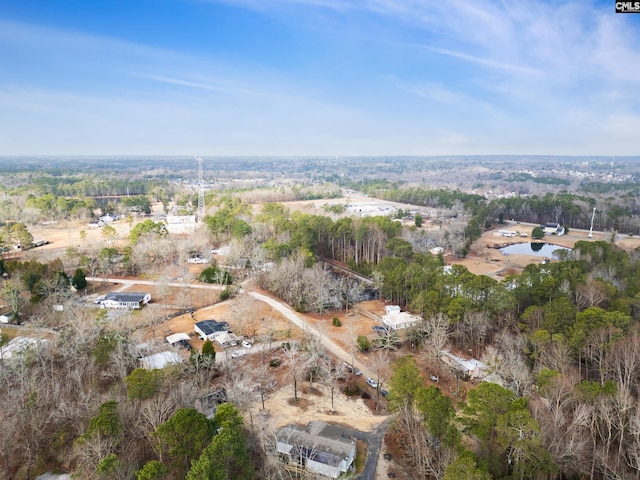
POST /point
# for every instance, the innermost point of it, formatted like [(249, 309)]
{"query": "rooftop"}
[(325, 443), (207, 327)]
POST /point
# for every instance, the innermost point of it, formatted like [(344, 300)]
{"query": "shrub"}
[(537, 233), (363, 343), (275, 362), (213, 274), (351, 390), (225, 294), (143, 384), (365, 395), (336, 322)]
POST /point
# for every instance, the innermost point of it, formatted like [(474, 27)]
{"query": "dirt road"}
[(332, 347)]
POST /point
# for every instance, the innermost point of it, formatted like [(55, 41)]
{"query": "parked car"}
[(351, 369), (384, 392), (184, 344), (372, 383), (237, 353), (380, 330), (246, 344)]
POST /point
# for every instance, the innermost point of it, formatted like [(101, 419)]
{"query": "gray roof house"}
[(210, 329), (319, 447), (129, 300)]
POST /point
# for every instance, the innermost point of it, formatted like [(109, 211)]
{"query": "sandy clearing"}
[(316, 405)]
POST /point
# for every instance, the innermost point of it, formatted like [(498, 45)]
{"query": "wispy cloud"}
[(484, 61), (209, 87)]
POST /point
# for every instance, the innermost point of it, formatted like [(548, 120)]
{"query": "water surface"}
[(539, 249)]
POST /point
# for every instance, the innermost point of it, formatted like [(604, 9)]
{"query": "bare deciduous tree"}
[(381, 368), (590, 294), (292, 355), (244, 308), (438, 328)]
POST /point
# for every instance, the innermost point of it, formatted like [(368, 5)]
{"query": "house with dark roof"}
[(321, 448), (127, 300), (210, 329)]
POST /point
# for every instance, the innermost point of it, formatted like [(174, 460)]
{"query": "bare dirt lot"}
[(261, 321)]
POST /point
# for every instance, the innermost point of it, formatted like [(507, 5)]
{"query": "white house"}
[(210, 329), (469, 367), (129, 300), (321, 448), (400, 320), (551, 228)]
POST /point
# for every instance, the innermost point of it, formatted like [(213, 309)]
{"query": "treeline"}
[(85, 186), (621, 214), (442, 198)]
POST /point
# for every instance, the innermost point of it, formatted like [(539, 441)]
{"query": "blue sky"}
[(318, 77)]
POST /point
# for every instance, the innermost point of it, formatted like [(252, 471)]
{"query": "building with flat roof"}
[(400, 320), (160, 360)]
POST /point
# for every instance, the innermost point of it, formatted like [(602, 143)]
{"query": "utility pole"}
[(200, 216)]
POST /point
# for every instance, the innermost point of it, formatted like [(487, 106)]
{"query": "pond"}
[(538, 249)]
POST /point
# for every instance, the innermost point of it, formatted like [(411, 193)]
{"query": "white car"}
[(237, 353), (372, 383), (246, 344)]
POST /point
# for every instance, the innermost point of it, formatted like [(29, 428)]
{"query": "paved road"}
[(374, 442), (126, 282)]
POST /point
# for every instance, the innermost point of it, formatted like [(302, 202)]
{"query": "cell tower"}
[(593, 216), (200, 216)]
